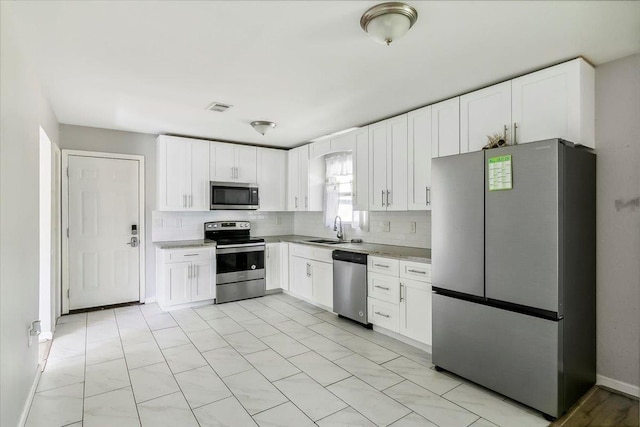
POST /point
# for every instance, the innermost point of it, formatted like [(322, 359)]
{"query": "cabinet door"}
[(300, 283), (221, 162), (549, 103), (199, 176), (284, 266), (246, 163), (415, 310), (303, 176), (177, 283), (445, 128), (272, 265), (482, 113), (419, 160), (377, 166), (293, 179), (322, 279), (203, 284), (397, 163), (271, 179), (172, 173), (361, 170)]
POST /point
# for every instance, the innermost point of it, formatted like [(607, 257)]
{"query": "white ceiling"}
[(154, 66)]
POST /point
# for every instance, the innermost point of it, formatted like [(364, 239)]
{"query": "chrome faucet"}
[(340, 234)]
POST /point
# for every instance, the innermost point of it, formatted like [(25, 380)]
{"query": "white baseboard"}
[(630, 389), (150, 300), (32, 393)]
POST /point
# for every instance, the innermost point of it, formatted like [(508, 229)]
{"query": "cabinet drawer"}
[(384, 265), (416, 271), (383, 287), (311, 252), (384, 314), (188, 255)]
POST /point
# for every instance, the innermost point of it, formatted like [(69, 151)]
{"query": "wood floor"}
[(601, 408)]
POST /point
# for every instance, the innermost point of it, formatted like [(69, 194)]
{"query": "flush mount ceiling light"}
[(262, 126), (387, 22)]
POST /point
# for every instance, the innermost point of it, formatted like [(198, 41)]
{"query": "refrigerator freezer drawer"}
[(514, 354)]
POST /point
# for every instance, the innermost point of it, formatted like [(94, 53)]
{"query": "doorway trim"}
[(64, 292)]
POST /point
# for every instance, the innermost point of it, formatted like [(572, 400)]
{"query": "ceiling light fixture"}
[(262, 126), (387, 22)]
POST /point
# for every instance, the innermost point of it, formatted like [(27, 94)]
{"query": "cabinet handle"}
[(380, 265), (382, 198), (388, 202), (306, 201), (381, 287), (184, 200), (401, 298), (505, 134), (382, 314), (237, 172), (190, 255), (428, 196), (196, 269), (515, 133), (189, 272), (296, 204), (411, 270)]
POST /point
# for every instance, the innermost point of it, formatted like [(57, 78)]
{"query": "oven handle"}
[(234, 249)]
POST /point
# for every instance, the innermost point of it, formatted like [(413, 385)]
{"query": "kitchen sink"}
[(325, 241)]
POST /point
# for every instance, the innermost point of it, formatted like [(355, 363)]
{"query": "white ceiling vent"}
[(218, 106)]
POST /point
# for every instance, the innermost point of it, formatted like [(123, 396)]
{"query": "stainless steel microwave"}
[(234, 195)]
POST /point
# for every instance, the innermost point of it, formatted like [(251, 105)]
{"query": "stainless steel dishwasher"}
[(350, 285)]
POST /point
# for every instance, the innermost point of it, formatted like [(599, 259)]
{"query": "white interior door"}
[(103, 207)]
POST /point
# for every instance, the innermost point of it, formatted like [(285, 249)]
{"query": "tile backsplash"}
[(171, 226)]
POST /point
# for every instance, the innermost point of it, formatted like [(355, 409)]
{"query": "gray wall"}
[(618, 227), (113, 141)]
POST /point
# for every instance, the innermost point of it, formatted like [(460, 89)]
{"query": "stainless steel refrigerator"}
[(513, 271)]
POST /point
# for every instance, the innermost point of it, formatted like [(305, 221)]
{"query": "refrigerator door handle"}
[(515, 134)]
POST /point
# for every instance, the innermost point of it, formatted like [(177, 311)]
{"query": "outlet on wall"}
[(386, 225)]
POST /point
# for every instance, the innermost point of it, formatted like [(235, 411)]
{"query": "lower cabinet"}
[(185, 276), (415, 310), (300, 282), (310, 274), (276, 266)]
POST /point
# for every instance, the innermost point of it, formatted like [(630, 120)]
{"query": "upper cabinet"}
[(557, 102), (388, 164), (419, 159), (298, 179), (233, 162), (445, 128), (272, 179), (183, 174), (483, 113)]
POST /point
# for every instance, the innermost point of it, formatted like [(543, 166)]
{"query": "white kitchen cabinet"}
[(233, 162), (388, 164), (185, 276), (272, 174), (415, 310), (311, 273), (419, 159), (322, 283), (361, 170), (483, 113), (298, 179), (273, 266), (557, 102), (183, 174), (383, 314), (445, 128), (300, 283)]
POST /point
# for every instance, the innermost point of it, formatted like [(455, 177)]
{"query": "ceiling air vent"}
[(218, 106)]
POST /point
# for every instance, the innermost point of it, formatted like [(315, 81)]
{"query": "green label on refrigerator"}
[(500, 176)]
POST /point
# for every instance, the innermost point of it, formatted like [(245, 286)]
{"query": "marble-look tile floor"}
[(270, 361)]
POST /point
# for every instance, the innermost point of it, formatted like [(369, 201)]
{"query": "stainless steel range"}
[(239, 260)]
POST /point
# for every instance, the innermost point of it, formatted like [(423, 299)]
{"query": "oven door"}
[(229, 195), (239, 263)]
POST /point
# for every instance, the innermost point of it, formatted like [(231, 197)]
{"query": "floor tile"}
[(271, 365), (102, 331), (284, 345), (202, 386), (237, 313), (115, 408), (491, 408), (413, 420), (309, 308), (226, 361), (106, 376), (62, 372), (161, 321), (371, 403), (252, 304), (245, 343), (369, 372), (189, 320), (150, 309), (326, 348), (128, 309), (259, 328), (68, 345), (430, 379), (225, 326), (142, 354), (170, 337), (206, 340), (431, 406), (152, 381), (169, 411), (295, 330), (183, 358), (306, 319), (224, 413), (483, 423), (320, 369), (371, 351), (270, 316), (347, 417), (101, 316), (332, 332), (285, 415), (57, 407), (71, 318), (103, 351), (313, 399), (209, 312), (253, 391)]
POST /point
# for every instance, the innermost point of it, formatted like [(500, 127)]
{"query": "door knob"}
[(133, 242)]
